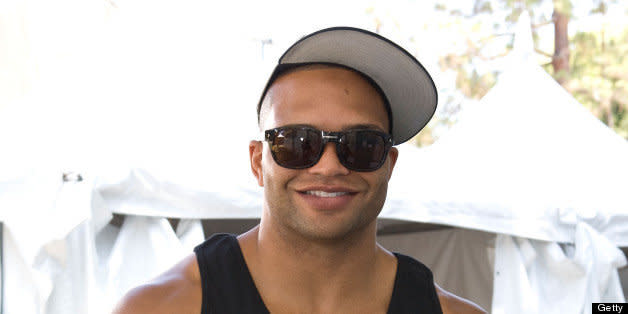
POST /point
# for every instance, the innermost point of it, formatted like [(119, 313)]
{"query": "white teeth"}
[(326, 194)]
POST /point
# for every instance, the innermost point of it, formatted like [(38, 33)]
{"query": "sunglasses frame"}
[(326, 137)]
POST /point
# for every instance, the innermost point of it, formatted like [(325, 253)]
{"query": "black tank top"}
[(228, 287)]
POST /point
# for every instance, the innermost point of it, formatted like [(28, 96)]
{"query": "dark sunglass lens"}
[(296, 147), (363, 150)]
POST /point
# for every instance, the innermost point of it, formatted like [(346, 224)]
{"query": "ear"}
[(255, 155), (392, 155)]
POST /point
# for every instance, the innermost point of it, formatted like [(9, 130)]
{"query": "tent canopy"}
[(527, 160)]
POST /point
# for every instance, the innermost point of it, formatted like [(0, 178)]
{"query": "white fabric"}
[(190, 233), (61, 256), (144, 248), (145, 194), (75, 289), (534, 276), (71, 260), (25, 290), (40, 212), (18, 207), (50, 244)]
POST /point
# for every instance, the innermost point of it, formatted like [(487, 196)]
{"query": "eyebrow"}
[(363, 126)]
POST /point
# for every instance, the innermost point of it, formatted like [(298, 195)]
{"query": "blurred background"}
[(142, 99)]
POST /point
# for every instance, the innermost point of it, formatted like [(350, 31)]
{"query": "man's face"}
[(306, 201)]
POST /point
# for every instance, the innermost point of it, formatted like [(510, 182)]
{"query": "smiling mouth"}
[(327, 199), (326, 194)]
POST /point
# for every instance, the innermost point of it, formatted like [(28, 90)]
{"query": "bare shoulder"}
[(452, 304), (178, 290)]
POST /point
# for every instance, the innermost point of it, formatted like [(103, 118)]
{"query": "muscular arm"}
[(178, 290), (452, 304)]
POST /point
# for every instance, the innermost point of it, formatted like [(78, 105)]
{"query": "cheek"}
[(274, 175), (379, 185), (387, 168), (268, 169)]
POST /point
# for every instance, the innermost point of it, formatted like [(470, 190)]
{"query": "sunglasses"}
[(299, 147)]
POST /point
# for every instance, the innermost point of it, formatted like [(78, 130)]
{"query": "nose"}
[(329, 165)]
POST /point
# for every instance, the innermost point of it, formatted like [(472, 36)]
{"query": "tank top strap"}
[(225, 279), (414, 290)]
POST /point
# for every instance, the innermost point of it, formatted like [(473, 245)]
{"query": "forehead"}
[(330, 98)]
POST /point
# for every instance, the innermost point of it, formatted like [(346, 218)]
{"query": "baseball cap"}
[(406, 85)]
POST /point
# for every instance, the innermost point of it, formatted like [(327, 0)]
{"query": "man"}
[(332, 110)]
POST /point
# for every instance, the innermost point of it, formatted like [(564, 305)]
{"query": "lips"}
[(327, 198), (326, 188)]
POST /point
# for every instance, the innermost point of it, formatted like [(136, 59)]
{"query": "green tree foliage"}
[(596, 71), (599, 76)]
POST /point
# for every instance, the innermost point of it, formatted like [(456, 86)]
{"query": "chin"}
[(330, 232)]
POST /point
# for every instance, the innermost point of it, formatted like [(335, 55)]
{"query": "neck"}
[(327, 275), (323, 270), (326, 255)]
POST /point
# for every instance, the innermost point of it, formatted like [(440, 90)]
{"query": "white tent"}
[(532, 165), (508, 216)]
